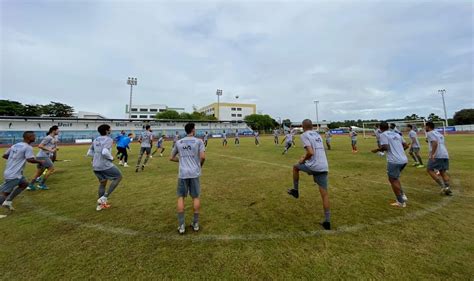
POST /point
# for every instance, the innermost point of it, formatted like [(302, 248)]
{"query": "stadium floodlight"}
[(316, 102), (219, 94), (442, 92), (132, 81)]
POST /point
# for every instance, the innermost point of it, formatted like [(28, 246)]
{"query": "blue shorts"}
[(109, 174), (188, 186), (394, 170), (320, 178), (354, 142), (47, 163), (146, 150), (9, 185), (440, 164), (414, 149)]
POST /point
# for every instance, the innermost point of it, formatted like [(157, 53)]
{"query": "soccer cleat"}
[(43, 187), (120, 162), (447, 191), (3, 216), (143, 167), (125, 164), (151, 156), (99, 207), (420, 166), (398, 204), (195, 226), (181, 229), (326, 225), (31, 187), (415, 164), (8, 205), (161, 154), (294, 192), (136, 170), (405, 198)]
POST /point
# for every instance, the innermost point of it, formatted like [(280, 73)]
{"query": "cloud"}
[(359, 59)]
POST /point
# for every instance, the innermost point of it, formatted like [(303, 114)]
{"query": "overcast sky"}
[(360, 59)]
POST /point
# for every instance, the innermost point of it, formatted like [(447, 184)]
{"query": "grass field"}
[(251, 229)]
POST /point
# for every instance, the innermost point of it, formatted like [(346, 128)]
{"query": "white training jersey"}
[(441, 151), (414, 139), (318, 161), (396, 152)]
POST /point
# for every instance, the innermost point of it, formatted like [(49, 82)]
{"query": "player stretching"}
[(205, 138), (438, 158), (395, 146), (175, 139), (47, 148), (288, 142), (237, 138), (275, 137), (313, 163), (122, 145), (353, 136), (415, 147), (159, 145), (190, 153), (328, 138), (146, 142), (224, 139), (104, 169), (14, 181), (257, 138)]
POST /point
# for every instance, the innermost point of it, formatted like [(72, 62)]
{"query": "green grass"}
[(250, 228)]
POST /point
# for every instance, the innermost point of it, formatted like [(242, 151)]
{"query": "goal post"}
[(418, 126)]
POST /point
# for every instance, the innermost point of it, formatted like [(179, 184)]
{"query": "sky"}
[(359, 59)]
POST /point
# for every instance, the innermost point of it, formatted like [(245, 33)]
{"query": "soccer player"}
[(377, 133), (190, 153), (224, 139), (117, 140), (438, 158), (146, 142), (14, 181), (122, 146), (276, 133), (394, 129), (43, 171), (237, 138), (328, 138), (314, 163), (104, 169), (395, 146), (353, 135), (257, 138), (205, 138), (288, 142), (175, 139), (415, 147), (159, 145)]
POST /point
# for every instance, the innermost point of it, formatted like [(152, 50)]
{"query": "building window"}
[(143, 109), (233, 109), (134, 109), (153, 110), (239, 109), (133, 116), (162, 110), (239, 115), (151, 116), (143, 116), (233, 115)]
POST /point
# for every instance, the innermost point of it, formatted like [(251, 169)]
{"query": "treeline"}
[(53, 109), (174, 115)]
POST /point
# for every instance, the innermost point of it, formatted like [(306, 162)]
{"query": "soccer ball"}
[(237, 97)]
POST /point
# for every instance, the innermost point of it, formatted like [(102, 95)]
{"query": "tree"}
[(434, 117), (32, 110), (57, 109), (260, 122), (412, 117), (185, 116), (286, 123), (168, 114), (464, 116), (11, 108)]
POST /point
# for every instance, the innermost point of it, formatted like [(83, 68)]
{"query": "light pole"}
[(132, 82), (316, 102), (442, 92), (219, 94)]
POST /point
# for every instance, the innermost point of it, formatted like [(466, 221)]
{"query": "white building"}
[(88, 115), (149, 111), (229, 111)]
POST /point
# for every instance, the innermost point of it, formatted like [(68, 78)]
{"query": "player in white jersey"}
[(237, 138), (288, 142), (146, 143), (257, 138), (103, 167), (393, 128), (353, 135), (377, 133), (160, 145), (205, 138), (328, 135), (14, 181), (190, 153), (47, 148), (438, 158), (175, 139), (395, 146), (224, 138), (276, 133), (415, 147), (314, 163)]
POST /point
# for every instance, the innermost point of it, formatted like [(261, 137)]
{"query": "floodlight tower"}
[(316, 102), (219, 94), (442, 92), (132, 82)]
